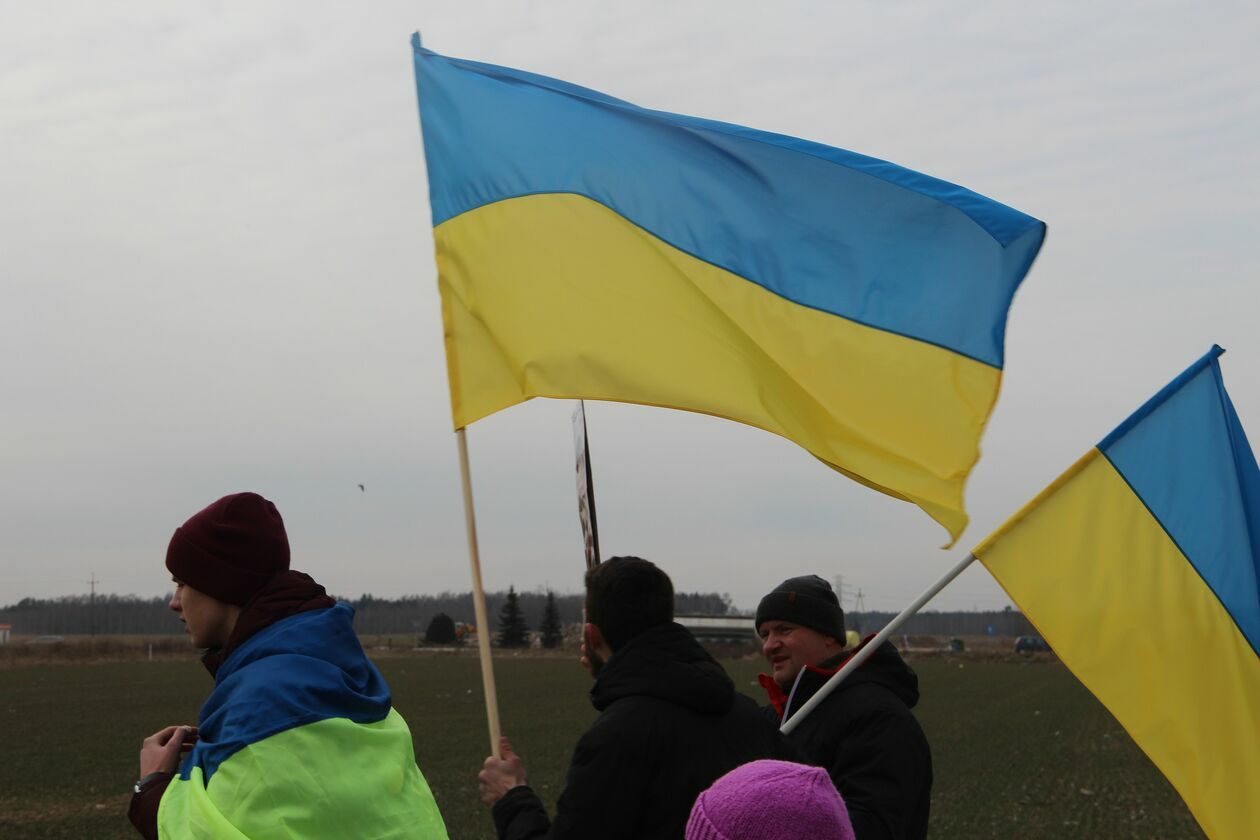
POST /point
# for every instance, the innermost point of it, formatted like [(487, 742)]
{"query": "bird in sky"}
[(361, 488)]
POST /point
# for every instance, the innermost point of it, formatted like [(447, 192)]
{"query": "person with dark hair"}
[(670, 723), (299, 737), (863, 733)]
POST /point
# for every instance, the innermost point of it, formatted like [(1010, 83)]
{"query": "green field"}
[(1020, 748)]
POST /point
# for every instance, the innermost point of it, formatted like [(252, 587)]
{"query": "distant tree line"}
[(82, 614), (129, 614), (414, 612), (1007, 622)]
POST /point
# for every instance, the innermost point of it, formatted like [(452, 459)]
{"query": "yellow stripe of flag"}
[(557, 296)]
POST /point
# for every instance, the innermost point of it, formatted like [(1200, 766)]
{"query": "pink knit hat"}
[(770, 800)]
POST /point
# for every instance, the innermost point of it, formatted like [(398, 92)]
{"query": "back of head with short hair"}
[(626, 596)]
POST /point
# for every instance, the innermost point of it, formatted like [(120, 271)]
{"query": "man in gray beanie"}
[(863, 733)]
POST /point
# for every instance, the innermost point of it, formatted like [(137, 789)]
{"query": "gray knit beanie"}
[(808, 601)]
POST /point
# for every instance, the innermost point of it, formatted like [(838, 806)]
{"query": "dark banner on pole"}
[(585, 487)]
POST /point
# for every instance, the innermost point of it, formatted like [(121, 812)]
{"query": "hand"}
[(499, 775), (160, 752)]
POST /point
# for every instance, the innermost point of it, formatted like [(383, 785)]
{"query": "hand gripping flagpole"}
[(479, 599), (856, 660)]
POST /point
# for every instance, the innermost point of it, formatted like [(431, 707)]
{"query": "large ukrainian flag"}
[(1140, 567), (299, 739), (589, 248)]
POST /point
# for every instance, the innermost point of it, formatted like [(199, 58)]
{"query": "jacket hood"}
[(301, 669), (885, 667), (667, 663)]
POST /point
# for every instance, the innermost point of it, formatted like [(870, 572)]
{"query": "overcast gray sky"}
[(217, 274)]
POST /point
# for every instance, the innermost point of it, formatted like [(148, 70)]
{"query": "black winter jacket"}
[(670, 724), (868, 740)]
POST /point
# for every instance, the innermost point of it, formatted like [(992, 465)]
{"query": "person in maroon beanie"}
[(254, 617)]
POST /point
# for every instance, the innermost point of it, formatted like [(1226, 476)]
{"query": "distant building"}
[(720, 628), (4, 633)]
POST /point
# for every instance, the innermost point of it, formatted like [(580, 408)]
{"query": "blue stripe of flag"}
[(829, 229), (1185, 455)]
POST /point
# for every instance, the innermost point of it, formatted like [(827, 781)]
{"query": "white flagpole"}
[(861, 656), (479, 599)]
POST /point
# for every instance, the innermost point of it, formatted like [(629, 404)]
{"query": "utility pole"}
[(859, 606), (92, 606)]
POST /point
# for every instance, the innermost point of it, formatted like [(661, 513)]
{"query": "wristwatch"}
[(149, 780)]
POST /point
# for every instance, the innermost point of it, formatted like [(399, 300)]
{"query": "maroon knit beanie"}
[(231, 549)]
